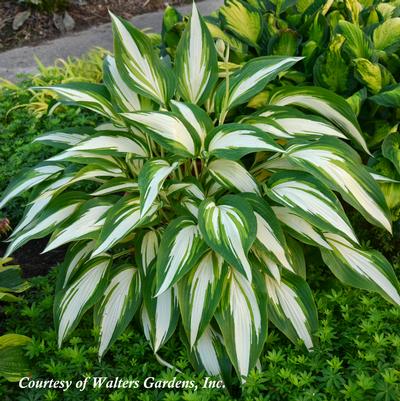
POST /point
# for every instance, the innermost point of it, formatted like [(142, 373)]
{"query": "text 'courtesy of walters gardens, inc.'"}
[(118, 383)]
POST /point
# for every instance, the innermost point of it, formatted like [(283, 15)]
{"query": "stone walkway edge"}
[(21, 60)]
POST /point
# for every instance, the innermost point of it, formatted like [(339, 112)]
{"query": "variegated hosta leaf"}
[(168, 131), (118, 305), (233, 175), (147, 245), (199, 294), (269, 234), (138, 64), (297, 124), (85, 223), (242, 318), (311, 200), (77, 254), (122, 219), (56, 213), (196, 61), (243, 20), (113, 143), (160, 314), (335, 164), (65, 137), (94, 97), (233, 141), (362, 269), (151, 178), (299, 228), (291, 308), (71, 303), (118, 184), (324, 102), (229, 228), (251, 79), (297, 256), (189, 186), (210, 355), (124, 97), (180, 248), (29, 179), (193, 115)]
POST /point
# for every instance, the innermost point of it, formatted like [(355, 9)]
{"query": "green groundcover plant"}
[(199, 209), (361, 39)]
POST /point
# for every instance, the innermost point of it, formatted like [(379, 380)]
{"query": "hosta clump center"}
[(198, 211)]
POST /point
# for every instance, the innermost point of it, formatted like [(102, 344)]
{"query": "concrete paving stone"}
[(21, 60)]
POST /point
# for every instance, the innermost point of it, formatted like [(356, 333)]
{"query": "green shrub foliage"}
[(201, 208)]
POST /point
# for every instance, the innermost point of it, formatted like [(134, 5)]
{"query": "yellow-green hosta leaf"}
[(386, 35), (357, 44), (299, 228), (196, 61), (71, 303), (324, 102), (138, 64), (233, 141), (14, 365), (122, 95), (159, 315), (85, 223), (94, 97), (151, 179), (390, 97), (199, 294), (229, 228), (55, 214), (336, 165), (118, 305), (242, 318), (311, 200), (181, 247), (233, 175), (29, 179), (368, 270), (391, 149), (291, 308), (122, 219), (250, 79), (243, 20), (168, 130)]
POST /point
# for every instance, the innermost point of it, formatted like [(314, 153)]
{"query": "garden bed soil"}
[(32, 261), (40, 25)]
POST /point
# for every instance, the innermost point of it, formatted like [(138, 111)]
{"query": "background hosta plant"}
[(361, 39), (197, 209)]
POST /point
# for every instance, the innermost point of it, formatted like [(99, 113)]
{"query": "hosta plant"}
[(197, 211)]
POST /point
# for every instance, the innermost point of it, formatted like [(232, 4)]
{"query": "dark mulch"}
[(40, 25), (32, 261)]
